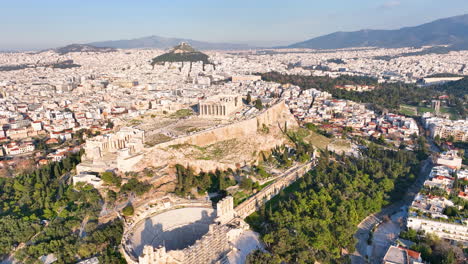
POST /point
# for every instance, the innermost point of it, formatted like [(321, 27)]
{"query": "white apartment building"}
[(462, 174), (449, 159), (16, 149), (445, 128), (450, 231), (36, 125), (440, 171)]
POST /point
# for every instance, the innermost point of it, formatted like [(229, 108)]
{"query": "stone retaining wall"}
[(270, 117), (255, 202)]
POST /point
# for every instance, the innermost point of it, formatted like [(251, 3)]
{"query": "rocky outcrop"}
[(261, 133), (272, 118)]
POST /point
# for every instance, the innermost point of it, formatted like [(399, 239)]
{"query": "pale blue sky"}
[(26, 24)]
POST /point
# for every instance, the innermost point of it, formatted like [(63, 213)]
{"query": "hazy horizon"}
[(53, 23)]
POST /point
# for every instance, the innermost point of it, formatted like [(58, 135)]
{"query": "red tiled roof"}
[(443, 177), (413, 254)]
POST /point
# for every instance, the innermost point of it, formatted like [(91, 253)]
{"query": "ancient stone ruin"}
[(220, 106), (174, 244), (120, 150)]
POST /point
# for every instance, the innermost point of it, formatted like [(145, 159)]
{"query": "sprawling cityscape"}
[(172, 151)]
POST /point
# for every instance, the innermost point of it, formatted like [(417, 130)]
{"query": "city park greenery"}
[(41, 214), (315, 218), (388, 96)]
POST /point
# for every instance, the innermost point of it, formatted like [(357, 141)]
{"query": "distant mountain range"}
[(156, 42), (451, 31), (448, 31)]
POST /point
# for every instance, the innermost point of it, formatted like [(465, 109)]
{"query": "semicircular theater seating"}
[(175, 229)]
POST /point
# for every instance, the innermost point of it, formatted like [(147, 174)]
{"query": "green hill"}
[(181, 53), (458, 89)]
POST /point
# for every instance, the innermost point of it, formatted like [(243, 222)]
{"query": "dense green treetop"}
[(46, 215), (387, 95), (181, 53), (316, 217)]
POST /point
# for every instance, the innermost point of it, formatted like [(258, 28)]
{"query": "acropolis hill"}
[(233, 143), (166, 229), (236, 143)]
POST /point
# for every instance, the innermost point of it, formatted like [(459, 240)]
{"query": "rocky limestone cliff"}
[(225, 147)]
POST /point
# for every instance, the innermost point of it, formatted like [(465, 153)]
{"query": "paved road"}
[(362, 235), (385, 235)]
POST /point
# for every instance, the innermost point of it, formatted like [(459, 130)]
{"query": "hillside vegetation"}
[(315, 218), (41, 214), (181, 53), (388, 96)]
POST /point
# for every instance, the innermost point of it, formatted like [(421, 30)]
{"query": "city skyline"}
[(194, 132), (44, 25)]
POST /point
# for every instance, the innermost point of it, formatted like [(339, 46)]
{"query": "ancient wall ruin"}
[(124, 149), (214, 245), (127, 139), (120, 150), (210, 248), (250, 130), (255, 202), (220, 106), (225, 210), (276, 115)]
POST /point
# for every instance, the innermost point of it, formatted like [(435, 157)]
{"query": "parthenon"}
[(220, 106)]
